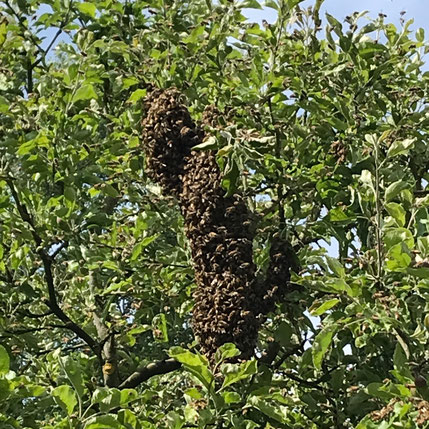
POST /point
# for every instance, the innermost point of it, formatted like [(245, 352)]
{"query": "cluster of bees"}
[(230, 300)]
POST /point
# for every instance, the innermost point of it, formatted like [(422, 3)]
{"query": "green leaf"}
[(174, 420), (226, 351), (230, 175), (336, 267), (70, 194), (225, 150), (231, 397), (321, 344), (26, 147), (128, 419), (159, 328), (3, 33), (65, 397), (139, 247), (420, 35), (127, 395), (208, 144), (74, 374), (399, 357), (283, 334), (236, 372), (104, 422), (400, 147), (394, 189), (250, 4), (136, 331), (367, 179), (4, 361), (397, 212), (137, 95), (109, 190), (421, 273), (423, 245), (276, 412), (194, 37), (398, 258), (196, 364), (337, 215), (393, 236), (272, 4), (4, 103), (317, 310), (378, 390), (85, 92), (336, 25), (87, 8)]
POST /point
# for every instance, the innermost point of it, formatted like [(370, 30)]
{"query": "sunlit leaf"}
[(318, 310), (400, 147), (65, 397), (84, 92), (87, 8), (4, 360), (236, 372)]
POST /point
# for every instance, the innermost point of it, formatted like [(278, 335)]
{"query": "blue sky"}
[(417, 9)]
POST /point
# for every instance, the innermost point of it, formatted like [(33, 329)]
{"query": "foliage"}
[(324, 132)]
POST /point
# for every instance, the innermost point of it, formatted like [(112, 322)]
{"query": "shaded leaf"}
[(321, 344), (84, 92)]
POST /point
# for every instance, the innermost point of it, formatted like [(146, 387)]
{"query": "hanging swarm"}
[(211, 116), (228, 300), (169, 133), (274, 288)]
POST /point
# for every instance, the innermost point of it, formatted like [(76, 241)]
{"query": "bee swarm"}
[(229, 300)]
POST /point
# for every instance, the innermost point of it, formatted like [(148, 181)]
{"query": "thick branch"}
[(168, 365), (108, 356), (156, 368)]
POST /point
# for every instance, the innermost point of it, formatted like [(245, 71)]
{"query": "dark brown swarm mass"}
[(282, 260), (228, 299)]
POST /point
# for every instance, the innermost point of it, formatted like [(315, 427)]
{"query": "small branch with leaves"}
[(47, 262)]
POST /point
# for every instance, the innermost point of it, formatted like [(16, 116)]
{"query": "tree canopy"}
[(314, 132)]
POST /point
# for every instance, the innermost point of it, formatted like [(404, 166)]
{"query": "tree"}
[(319, 136)]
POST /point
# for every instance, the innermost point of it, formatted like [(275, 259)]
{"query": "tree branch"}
[(21, 22), (47, 261), (270, 353), (156, 368), (109, 360), (29, 330), (164, 367), (60, 247), (31, 315), (45, 52)]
